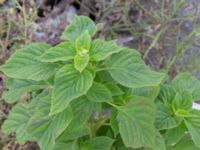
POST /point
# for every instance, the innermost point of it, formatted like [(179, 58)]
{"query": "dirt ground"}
[(166, 32)]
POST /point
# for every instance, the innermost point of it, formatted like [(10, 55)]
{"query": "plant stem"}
[(25, 22), (113, 105), (98, 125)]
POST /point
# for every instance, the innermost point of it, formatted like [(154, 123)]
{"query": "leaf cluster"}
[(91, 94)]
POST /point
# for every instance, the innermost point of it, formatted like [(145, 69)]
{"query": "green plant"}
[(94, 95)]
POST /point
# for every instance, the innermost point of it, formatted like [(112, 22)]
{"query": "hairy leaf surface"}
[(69, 84), (183, 101), (66, 146), (17, 122), (47, 128), (193, 125), (185, 144), (149, 92), (160, 142), (17, 88), (83, 42), (24, 64), (61, 52), (99, 143), (100, 49), (81, 62), (165, 119), (99, 93), (174, 135), (167, 94), (185, 81), (113, 122), (82, 110), (127, 68), (136, 123), (114, 88), (79, 25)]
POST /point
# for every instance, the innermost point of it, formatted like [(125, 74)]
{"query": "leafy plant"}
[(94, 95)]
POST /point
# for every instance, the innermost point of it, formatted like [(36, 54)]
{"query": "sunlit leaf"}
[(79, 25), (174, 135), (136, 123), (24, 64), (193, 124), (81, 62), (185, 81), (99, 143), (185, 144), (183, 101), (127, 68), (100, 49), (17, 88), (69, 84), (17, 122), (165, 119), (160, 142), (99, 93), (61, 52), (83, 42)]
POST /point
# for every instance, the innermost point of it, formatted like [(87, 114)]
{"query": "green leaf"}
[(73, 133), (104, 77), (18, 88), (185, 81), (24, 64), (39, 123), (61, 52), (185, 144), (17, 122), (182, 113), (47, 128), (122, 147), (46, 141), (183, 101), (61, 121), (69, 84), (160, 142), (99, 143), (100, 49), (165, 119), (99, 93), (66, 146), (79, 25), (47, 134), (149, 92), (127, 68), (193, 124), (82, 110), (81, 62), (136, 123), (114, 88), (41, 104), (113, 122), (167, 94), (83, 43), (174, 135), (82, 47)]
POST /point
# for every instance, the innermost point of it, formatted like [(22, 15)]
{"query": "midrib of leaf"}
[(113, 105)]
